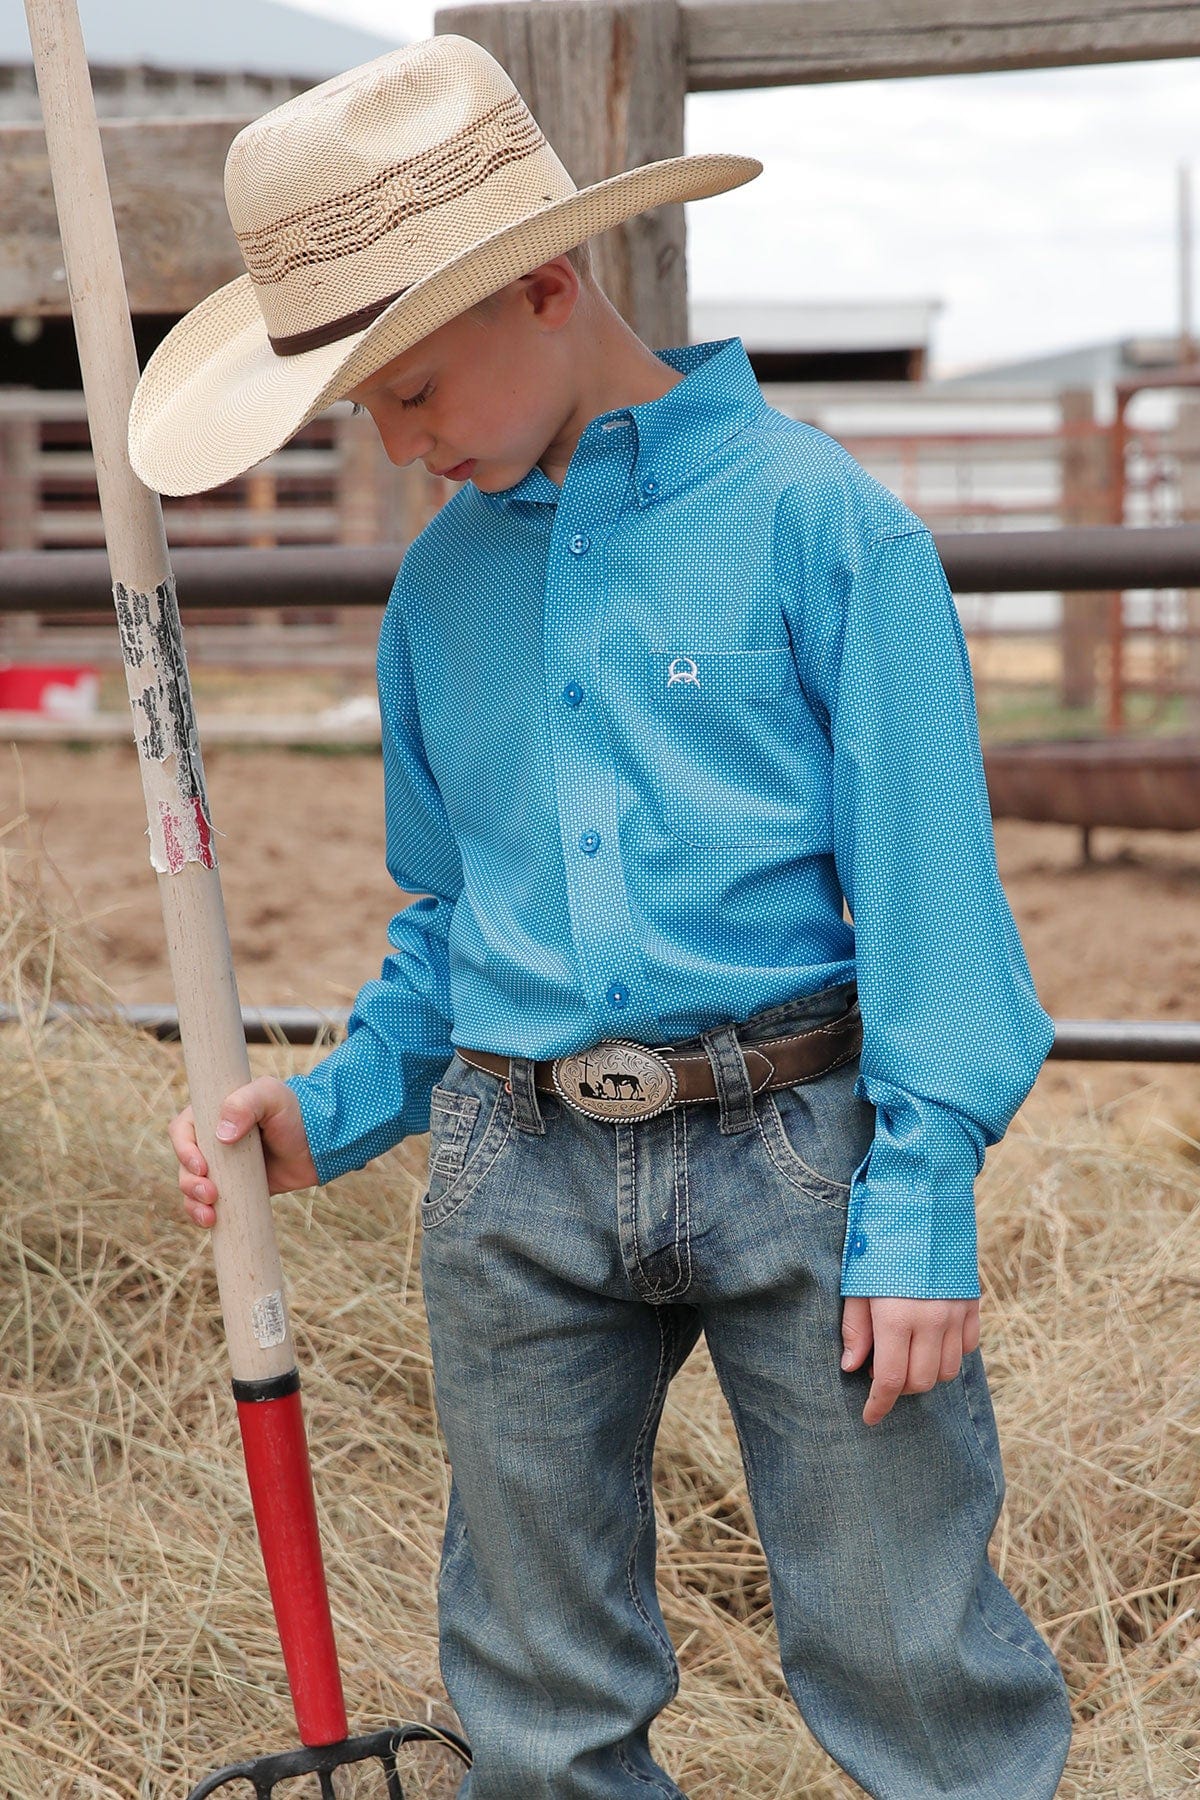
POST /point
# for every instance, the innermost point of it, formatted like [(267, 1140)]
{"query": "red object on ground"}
[(60, 691), (280, 1478)]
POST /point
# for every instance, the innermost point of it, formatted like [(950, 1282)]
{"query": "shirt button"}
[(617, 995), (579, 544), (858, 1243), (572, 693), (649, 486), (589, 843)]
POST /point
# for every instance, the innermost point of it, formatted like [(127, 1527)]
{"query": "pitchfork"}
[(266, 1383)]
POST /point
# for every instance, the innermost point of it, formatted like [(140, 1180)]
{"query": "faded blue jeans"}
[(569, 1266)]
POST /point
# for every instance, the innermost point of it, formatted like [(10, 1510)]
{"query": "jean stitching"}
[(770, 1016), (652, 1291), (683, 1269), (838, 1190), (436, 1213), (650, 1781), (526, 1110), (453, 1129), (735, 1090), (644, 1505), (1038, 1656), (627, 1210), (685, 1255)]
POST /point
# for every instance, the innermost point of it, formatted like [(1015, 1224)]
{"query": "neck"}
[(615, 369)]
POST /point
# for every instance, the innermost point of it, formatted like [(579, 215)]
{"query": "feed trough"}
[(1149, 784)]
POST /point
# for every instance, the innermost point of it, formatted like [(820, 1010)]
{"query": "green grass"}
[(1019, 714)]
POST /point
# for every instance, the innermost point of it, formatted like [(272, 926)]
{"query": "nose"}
[(403, 450), (404, 440)]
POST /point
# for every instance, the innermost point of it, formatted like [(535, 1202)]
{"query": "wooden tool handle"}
[(249, 1272)]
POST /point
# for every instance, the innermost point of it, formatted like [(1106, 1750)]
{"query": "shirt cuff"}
[(910, 1232), (910, 1246), (323, 1125)]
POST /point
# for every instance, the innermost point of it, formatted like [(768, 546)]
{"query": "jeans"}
[(569, 1266)]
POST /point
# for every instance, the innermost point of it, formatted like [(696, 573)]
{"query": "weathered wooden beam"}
[(166, 177), (778, 43), (606, 84)]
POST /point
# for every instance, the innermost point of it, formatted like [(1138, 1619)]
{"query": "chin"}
[(493, 482)]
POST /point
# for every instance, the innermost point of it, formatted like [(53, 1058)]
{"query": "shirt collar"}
[(717, 398)]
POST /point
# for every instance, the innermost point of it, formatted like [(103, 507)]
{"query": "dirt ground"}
[(308, 900)]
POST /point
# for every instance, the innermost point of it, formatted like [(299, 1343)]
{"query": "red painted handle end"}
[(281, 1489)]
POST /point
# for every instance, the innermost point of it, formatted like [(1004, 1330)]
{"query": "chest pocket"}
[(723, 747)]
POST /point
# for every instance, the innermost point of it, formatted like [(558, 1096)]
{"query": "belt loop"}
[(734, 1092), (527, 1113)]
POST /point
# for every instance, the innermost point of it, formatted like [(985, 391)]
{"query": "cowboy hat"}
[(369, 211)]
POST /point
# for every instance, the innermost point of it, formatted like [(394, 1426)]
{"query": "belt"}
[(618, 1080)]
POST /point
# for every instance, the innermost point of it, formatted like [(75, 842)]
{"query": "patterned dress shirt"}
[(641, 735)]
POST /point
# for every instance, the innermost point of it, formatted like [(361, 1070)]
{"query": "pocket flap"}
[(721, 674)]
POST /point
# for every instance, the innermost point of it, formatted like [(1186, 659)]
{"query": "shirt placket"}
[(587, 787)]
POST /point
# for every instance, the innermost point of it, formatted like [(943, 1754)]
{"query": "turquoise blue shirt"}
[(641, 735)]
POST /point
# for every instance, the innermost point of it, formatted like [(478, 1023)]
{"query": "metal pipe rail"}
[(1075, 1040), (1083, 558)]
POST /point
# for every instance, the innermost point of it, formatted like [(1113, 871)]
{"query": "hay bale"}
[(137, 1648)]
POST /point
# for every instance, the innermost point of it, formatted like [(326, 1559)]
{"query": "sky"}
[(1038, 208)]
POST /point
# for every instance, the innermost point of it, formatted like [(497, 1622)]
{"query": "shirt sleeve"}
[(953, 1034), (374, 1088)]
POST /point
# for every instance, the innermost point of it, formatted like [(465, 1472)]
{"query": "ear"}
[(551, 291)]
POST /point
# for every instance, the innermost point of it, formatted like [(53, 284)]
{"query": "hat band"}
[(296, 342)]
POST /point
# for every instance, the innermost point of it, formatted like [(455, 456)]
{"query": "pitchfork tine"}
[(322, 1759)]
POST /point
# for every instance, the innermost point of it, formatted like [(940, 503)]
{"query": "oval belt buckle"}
[(615, 1080)]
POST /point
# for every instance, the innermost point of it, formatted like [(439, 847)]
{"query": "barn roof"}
[(794, 325)]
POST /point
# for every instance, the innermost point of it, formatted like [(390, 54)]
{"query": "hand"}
[(271, 1105), (917, 1343)]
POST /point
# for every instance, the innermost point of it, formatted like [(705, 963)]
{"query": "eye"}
[(421, 398), (356, 410)]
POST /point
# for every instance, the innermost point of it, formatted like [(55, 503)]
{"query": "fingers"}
[(917, 1344), (198, 1193), (857, 1336), (240, 1111), (950, 1361), (182, 1133), (889, 1372), (244, 1108)]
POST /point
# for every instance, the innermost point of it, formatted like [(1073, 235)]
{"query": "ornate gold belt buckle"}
[(615, 1080)]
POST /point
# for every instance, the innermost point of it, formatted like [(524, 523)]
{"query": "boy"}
[(666, 679)]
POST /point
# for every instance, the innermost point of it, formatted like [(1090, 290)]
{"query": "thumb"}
[(857, 1335), (240, 1112)]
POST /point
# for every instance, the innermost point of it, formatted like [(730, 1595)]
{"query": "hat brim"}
[(215, 398)]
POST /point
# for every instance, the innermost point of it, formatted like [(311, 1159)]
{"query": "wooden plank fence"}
[(637, 62)]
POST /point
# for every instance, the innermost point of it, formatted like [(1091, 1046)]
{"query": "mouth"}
[(459, 472)]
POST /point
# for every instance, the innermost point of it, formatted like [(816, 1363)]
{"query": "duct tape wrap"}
[(179, 826)]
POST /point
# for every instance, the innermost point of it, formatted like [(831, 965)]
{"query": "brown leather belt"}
[(619, 1080)]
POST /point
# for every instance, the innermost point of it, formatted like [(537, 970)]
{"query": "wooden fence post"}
[(1185, 441), (20, 504), (368, 505), (607, 84), (1084, 502)]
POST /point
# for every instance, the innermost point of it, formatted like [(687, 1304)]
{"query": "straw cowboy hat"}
[(369, 211)]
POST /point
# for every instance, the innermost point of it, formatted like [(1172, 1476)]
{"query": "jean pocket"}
[(818, 1132), (468, 1128)]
